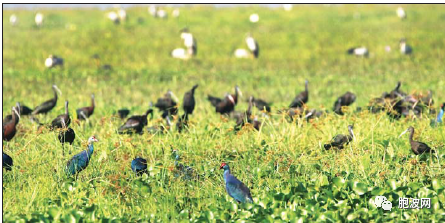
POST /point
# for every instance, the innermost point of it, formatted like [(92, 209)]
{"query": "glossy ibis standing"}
[(168, 103), (345, 100), (225, 106), (8, 118), (62, 120), (9, 129), (47, 106), (135, 123), (189, 101), (139, 165), (235, 188), (405, 48), (340, 140), (416, 147), (301, 98), (81, 160), (66, 135), (85, 112), (358, 51), (7, 162)]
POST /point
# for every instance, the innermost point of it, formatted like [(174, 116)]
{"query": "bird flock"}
[(396, 104)]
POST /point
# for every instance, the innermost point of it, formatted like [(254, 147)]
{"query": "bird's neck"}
[(411, 134), (90, 149), (55, 96), (66, 110), (440, 115), (93, 103), (226, 173)]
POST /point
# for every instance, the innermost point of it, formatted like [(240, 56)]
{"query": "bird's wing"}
[(214, 100), (132, 122)]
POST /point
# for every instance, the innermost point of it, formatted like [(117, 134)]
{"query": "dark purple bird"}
[(139, 165), (81, 160), (234, 187), (62, 120), (168, 103), (8, 118), (9, 129), (345, 100), (86, 112), (188, 102), (7, 161), (135, 123), (47, 106), (66, 136), (416, 146), (301, 98)]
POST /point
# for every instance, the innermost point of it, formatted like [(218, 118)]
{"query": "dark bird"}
[(7, 162), (301, 98), (396, 93), (358, 51), (81, 160), (139, 165), (66, 135), (9, 129), (189, 101), (62, 120), (340, 140), (8, 118), (235, 188), (405, 48), (261, 104), (25, 110), (313, 113), (246, 117), (123, 113), (85, 112), (47, 106), (135, 124), (168, 103), (416, 147), (226, 106), (345, 100)]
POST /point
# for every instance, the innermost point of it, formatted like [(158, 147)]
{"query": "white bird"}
[(53, 61), (181, 53), (405, 48), (13, 19), (161, 13), (113, 16), (254, 18), (287, 7), (122, 14), (401, 13), (152, 10), (242, 53), (189, 41), (38, 19), (359, 51), (175, 13)]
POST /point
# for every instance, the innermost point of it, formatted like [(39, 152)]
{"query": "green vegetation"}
[(290, 174)]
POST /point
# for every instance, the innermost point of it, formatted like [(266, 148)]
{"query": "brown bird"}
[(9, 129), (340, 140), (261, 104), (416, 147), (8, 118), (345, 100), (167, 104), (226, 106), (62, 120), (85, 112), (47, 106), (301, 98)]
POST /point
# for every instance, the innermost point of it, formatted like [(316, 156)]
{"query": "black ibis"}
[(85, 112), (416, 147), (396, 93), (47, 106), (261, 104), (301, 98), (405, 48), (8, 118), (7, 162), (66, 135), (135, 123), (358, 51), (62, 120), (224, 106), (188, 102), (340, 140), (345, 100), (168, 103), (9, 129), (53, 61), (25, 110)]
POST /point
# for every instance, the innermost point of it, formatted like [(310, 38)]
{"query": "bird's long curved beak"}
[(353, 135), (308, 114), (174, 96), (16, 112), (58, 90), (403, 133)]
